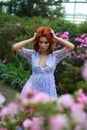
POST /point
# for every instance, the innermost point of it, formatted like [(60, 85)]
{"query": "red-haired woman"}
[(43, 59)]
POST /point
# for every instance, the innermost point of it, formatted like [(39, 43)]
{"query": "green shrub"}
[(15, 76), (83, 27), (82, 85), (67, 79)]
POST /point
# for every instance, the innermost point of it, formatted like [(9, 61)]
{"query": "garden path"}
[(7, 91)]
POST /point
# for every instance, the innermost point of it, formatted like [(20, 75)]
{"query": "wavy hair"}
[(44, 32)]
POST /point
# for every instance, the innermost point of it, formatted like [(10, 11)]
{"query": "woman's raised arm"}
[(18, 46)]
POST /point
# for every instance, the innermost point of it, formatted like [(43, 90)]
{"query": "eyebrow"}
[(42, 41)]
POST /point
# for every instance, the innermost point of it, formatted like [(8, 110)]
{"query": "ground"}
[(7, 91)]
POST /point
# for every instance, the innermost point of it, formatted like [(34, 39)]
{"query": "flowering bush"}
[(81, 48), (37, 111)]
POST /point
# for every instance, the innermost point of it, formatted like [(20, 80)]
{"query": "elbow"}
[(16, 48), (72, 47)]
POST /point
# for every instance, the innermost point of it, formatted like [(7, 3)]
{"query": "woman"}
[(43, 59)]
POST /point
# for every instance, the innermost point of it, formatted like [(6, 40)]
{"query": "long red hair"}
[(44, 32)]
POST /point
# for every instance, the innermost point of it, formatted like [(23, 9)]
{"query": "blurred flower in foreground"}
[(84, 71), (37, 111), (27, 123)]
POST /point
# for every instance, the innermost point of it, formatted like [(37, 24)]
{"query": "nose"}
[(43, 44)]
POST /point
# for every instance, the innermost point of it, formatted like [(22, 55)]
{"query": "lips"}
[(42, 48)]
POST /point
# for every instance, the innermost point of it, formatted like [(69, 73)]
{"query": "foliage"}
[(14, 75), (32, 8), (67, 112), (67, 78), (82, 85), (83, 27)]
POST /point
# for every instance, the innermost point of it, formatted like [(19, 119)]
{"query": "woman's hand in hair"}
[(53, 33)]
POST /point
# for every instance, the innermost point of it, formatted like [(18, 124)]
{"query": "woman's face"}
[(43, 44)]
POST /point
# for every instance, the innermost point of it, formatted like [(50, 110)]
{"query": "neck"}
[(43, 53)]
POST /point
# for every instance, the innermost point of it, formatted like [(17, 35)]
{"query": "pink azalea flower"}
[(84, 71), (38, 97), (74, 53), (58, 122), (80, 57), (13, 106), (10, 110), (66, 33), (4, 112), (18, 25), (4, 60), (57, 33), (78, 114), (27, 124), (66, 101), (2, 99), (58, 46), (3, 129), (82, 98), (77, 107), (36, 124)]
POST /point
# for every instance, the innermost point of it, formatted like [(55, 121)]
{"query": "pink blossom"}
[(57, 33), (78, 114), (77, 39), (86, 40), (10, 110), (74, 53), (58, 122), (27, 124), (66, 101), (36, 124), (13, 106), (84, 71), (66, 33), (2, 99), (38, 97), (79, 127), (84, 35), (82, 98), (58, 46), (64, 36), (18, 25), (4, 112), (77, 107), (3, 129), (4, 60)]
